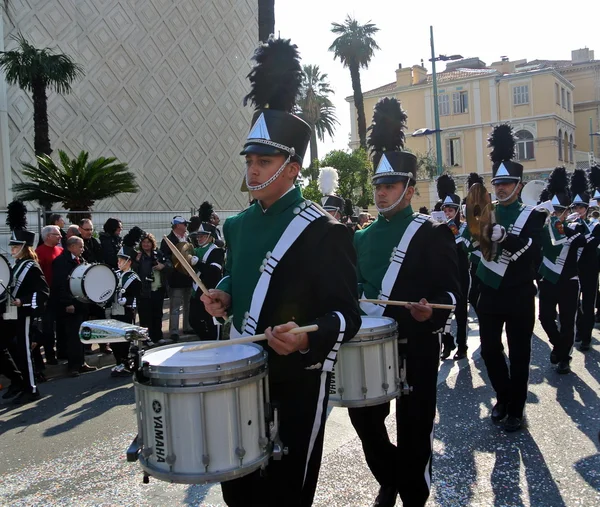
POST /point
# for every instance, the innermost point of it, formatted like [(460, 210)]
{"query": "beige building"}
[(163, 91), (548, 103)]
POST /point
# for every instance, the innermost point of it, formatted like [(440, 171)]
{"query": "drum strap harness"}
[(396, 261), (19, 276), (306, 213), (118, 309)]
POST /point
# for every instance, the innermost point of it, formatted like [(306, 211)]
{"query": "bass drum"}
[(93, 283), (5, 277)]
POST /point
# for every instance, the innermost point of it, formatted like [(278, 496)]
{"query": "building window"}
[(557, 93), (563, 101), (453, 152), (569, 101), (560, 155), (444, 105), (571, 148), (524, 145), (460, 102), (521, 95), (566, 149)]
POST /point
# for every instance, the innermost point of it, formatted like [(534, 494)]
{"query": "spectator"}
[(92, 252), (150, 268), (59, 221), (363, 218), (180, 285), (46, 253), (68, 309), (110, 240), (215, 220), (73, 230)]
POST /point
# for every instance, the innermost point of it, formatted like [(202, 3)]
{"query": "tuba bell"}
[(480, 219)]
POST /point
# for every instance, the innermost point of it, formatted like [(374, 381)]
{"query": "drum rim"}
[(85, 296), (200, 388), (252, 363), (10, 277), (370, 334)]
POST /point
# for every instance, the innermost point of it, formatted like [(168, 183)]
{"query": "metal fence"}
[(156, 222)]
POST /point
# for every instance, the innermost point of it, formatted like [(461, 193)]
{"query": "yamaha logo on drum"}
[(159, 432), (105, 295), (156, 406), (85, 333)]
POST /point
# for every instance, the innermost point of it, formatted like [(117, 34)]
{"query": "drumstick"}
[(186, 265), (245, 339), (435, 306)]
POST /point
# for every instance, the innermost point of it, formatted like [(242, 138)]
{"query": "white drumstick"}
[(245, 339), (435, 306)]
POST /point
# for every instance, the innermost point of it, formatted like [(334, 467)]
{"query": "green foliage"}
[(77, 183), (311, 191), (354, 171), (355, 45), (427, 166)]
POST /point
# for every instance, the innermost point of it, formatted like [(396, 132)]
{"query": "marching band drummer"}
[(128, 290), (404, 256), (288, 264), (29, 293)]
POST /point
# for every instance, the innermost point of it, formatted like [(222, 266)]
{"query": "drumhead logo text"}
[(105, 295), (159, 433), (85, 333)]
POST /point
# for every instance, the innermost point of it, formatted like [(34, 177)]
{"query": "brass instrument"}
[(187, 249), (480, 219)]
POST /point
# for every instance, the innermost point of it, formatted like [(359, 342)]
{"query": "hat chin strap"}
[(15, 255), (272, 178), (390, 208), (511, 194)]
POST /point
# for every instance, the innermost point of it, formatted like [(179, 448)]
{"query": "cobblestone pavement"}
[(68, 449)]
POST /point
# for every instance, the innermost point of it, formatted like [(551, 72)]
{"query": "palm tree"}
[(355, 47), (35, 70), (266, 19), (77, 184), (316, 108)]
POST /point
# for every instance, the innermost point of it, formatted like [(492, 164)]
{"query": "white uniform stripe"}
[(317, 422), (28, 353)]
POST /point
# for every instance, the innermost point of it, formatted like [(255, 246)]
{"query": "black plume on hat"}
[(387, 127), (474, 178), (16, 218), (558, 182), (445, 186), (502, 142), (579, 185), (277, 76), (194, 224), (205, 211), (544, 196), (348, 208), (133, 237), (424, 210), (595, 177)]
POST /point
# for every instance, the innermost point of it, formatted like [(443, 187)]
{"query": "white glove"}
[(498, 233), (194, 260), (572, 217), (122, 301)]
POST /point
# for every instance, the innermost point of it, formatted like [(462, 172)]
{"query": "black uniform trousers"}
[(475, 287), (75, 355), (461, 313), (150, 311), (565, 295), (200, 320), (121, 349), (290, 482), (511, 383), (588, 278), (407, 465), (8, 368), (22, 353)]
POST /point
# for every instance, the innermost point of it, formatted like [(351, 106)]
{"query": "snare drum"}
[(92, 283), (366, 372), (201, 414), (5, 278)]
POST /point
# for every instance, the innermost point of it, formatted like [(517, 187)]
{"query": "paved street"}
[(68, 449)]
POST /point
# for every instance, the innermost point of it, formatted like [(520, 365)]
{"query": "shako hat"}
[(276, 80), (17, 222), (386, 144), (558, 189), (446, 188), (328, 185), (502, 142), (130, 241), (579, 188), (594, 177)]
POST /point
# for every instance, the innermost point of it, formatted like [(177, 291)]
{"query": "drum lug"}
[(133, 451), (147, 452), (385, 386), (278, 451), (170, 459), (206, 461)]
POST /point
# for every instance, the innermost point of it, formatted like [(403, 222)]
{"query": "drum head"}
[(5, 276), (375, 328), (99, 283), (170, 360)]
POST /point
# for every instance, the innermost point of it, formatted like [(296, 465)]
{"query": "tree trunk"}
[(266, 19), (314, 153), (41, 138), (359, 104)]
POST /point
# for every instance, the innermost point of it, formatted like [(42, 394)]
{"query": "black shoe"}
[(584, 347), (499, 412), (513, 423), (461, 354), (74, 373), (553, 357), (11, 392), (52, 361), (26, 397), (174, 337), (86, 368), (563, 367), (446, 352), (386, 497)]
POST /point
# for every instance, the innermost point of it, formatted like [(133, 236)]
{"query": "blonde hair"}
[(28, 253)]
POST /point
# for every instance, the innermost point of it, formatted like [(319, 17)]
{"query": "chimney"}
[(505, 66), (582, 55), (419, 74), (403, 77)]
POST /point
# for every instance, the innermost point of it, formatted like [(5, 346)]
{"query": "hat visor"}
[(453, 205), (14, 242), (261, 149), (505, 179), (388, 178), (580, 203)]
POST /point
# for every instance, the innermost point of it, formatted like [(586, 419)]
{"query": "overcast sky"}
[(525, 29)]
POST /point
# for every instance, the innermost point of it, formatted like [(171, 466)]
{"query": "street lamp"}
[(436, 111), (422, 132)]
